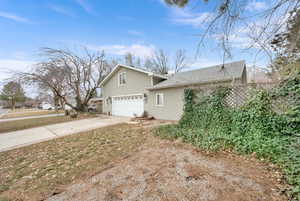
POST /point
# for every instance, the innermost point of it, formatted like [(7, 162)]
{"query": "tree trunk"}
[(13, 104), (62, 103), (81, 107), (55, 103)]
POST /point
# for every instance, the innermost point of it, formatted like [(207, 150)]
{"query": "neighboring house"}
[(129, 91), (259, 75)]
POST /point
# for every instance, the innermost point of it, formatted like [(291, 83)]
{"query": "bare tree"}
[(231, 17), (113, 63), (149, 64), (138, 62), (50, 77), (160, 62), (70, 75), (132, 60), (129, 59), (180, 60)]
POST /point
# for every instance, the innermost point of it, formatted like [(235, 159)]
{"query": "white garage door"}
[(128, 106)]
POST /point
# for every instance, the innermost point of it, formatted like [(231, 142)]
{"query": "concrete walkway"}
[(31, 117), (12, 140)]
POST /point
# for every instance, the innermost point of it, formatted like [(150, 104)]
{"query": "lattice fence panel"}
[(240, 94)]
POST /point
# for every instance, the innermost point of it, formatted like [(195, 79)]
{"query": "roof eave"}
[(190, 84), (131, 68)]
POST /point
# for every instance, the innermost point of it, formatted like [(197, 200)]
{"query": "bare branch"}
[(180, 60), (68, 74)]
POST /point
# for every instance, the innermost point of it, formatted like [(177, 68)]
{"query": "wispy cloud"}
[(86, 6), (135, 33), (14, 17), (258, 33), (187, 17), (256, 6), (240, 38), (8, 66), (138, 50), (61, 10)]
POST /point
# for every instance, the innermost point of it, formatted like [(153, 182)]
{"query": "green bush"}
[(253, 128)]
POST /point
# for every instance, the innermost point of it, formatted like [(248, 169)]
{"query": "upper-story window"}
[(122, 79)]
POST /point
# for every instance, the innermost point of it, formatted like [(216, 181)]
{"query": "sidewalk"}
[(12, 140)]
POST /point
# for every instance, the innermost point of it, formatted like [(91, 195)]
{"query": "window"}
[(107, 101), (159, 99), (122, 79)]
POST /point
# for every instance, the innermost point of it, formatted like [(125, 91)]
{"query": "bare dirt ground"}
[(172, 171)]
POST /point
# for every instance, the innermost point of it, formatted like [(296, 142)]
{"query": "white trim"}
[(143, 71), (163, 101), (128, 95), (131, 68)]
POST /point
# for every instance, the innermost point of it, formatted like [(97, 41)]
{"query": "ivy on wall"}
[(255, 127)]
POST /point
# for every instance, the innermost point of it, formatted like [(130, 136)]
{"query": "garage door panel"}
[(128, 105)]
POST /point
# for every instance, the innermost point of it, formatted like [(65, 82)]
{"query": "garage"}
[(128, 106)]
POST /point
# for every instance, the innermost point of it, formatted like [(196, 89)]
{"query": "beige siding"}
[(136, 83), (174, 101), (173, 104)]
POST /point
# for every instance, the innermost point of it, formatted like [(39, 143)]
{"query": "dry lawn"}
[(31, 123), (168, 171), (28, 113), (38, 171), (126, 162)]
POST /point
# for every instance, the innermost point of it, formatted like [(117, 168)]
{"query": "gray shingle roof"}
[(231, 71)]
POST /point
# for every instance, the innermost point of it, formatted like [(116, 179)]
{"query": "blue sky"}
[(117, 26)]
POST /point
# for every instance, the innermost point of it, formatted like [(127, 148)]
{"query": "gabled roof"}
[(217, 73), (131, 68)]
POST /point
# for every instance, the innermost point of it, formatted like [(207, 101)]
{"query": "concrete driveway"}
[(12, 140)]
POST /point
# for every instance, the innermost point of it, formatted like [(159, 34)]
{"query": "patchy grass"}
[(31, 123), (38, 171), (28, 113)]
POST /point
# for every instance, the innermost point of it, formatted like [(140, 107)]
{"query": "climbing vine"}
[(255, 127)]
